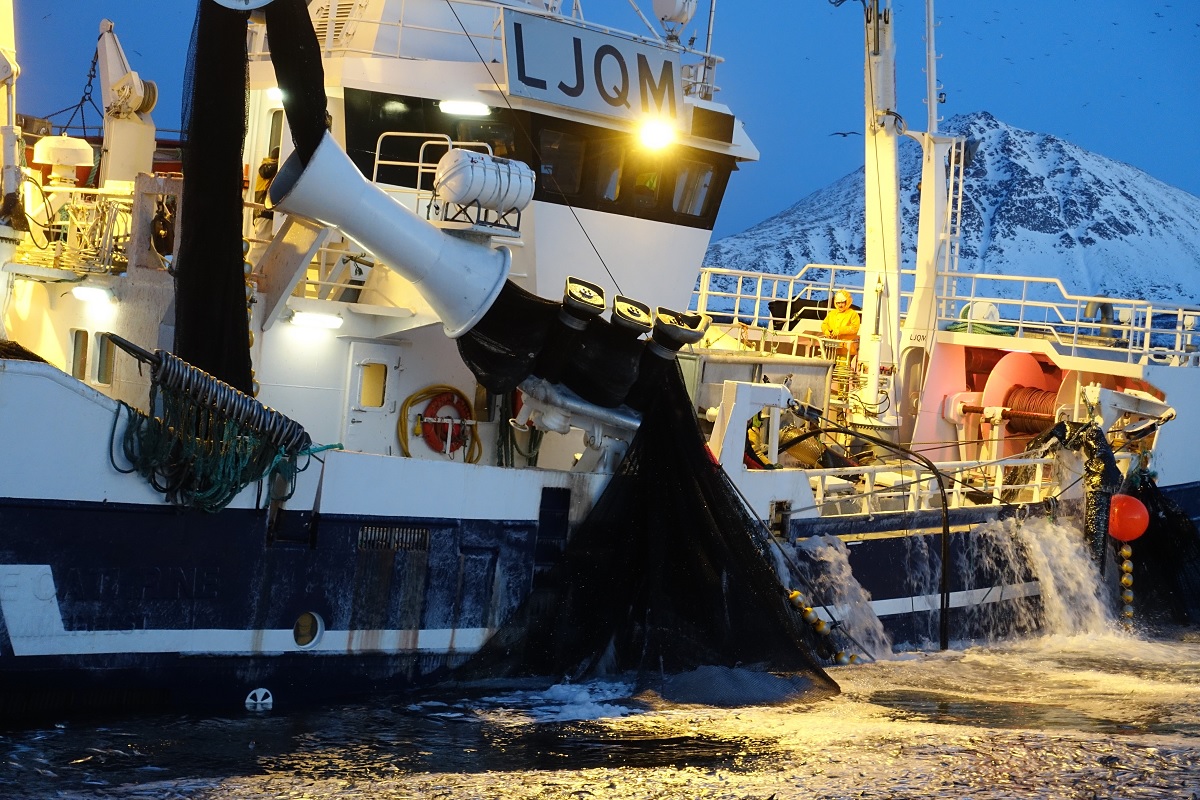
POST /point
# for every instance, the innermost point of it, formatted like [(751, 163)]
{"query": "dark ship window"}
[(79, 354), (561, 168), (497, 135), (105, 360), (693, 184), (584, 166)]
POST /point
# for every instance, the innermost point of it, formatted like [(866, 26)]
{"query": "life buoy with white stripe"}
[(435, 433)]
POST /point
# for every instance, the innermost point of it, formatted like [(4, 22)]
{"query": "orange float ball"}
[(1127, 518)]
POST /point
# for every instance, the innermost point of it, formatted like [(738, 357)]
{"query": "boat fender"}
[(435, 433), (260, 700)]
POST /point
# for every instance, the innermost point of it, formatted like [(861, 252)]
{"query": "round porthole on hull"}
[(308, 630)]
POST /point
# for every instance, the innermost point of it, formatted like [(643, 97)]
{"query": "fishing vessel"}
[(387, 478)]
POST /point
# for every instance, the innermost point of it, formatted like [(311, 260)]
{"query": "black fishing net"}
[(17, 352), (211, 330), (502, 348), (1166, 557), (605, 364), (296, 56), (669, 578), (1166, 560), (1101, 476)]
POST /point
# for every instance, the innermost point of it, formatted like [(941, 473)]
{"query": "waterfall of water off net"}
[(1015, 553), (827, 574), (1045, 566)]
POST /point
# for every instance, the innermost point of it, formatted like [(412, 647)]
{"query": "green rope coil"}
[(205, 441)]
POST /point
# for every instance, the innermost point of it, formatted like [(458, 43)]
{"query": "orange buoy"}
[(1127, 518)]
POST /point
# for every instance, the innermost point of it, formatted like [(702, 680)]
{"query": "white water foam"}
[(563, 702), (1074, 597), (848, 601)]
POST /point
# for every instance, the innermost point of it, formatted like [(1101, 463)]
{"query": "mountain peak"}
[(1033, 204)]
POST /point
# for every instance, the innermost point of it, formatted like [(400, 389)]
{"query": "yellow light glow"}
[(655, 134), (464, 108)]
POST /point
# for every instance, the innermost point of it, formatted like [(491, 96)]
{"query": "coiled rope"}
[(204, 441)]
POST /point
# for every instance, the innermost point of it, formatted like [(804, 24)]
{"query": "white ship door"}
[(372, 401)]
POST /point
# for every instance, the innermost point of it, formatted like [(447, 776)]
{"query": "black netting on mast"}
[(296, 56), (211, 330), (669, 573)]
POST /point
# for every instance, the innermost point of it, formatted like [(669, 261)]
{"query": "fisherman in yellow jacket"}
[(843, 321)]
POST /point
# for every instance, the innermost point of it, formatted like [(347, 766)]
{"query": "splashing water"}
[(1043, 581), (1056, 556), (848, 602)]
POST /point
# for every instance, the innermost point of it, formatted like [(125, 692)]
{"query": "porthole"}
[(308, 630)]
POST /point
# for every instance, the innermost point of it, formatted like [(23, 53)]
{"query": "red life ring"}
[(434, 433)]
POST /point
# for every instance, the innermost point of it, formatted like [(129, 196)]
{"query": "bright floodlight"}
[(464, 108), (92, 294), (655, 134)]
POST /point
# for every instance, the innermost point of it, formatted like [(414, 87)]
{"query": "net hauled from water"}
[(667, 576)]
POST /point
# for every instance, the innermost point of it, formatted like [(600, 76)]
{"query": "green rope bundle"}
[(208, 441), (990, 328)]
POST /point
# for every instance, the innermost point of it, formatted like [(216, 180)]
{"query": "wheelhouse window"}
[(693, 186), (561, 161), (647, 182), (586, 166), (610, 167), (496, 135)]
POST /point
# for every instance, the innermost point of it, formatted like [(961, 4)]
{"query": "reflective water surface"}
[(1101, 715), (1087, 711)]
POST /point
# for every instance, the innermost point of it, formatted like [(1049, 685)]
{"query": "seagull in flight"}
[(844, 134)]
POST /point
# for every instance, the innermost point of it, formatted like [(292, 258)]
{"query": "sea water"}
[(1088, 710)]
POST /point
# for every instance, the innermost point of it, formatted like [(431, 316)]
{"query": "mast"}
[(10, 134), (876, 411), (941, 169)]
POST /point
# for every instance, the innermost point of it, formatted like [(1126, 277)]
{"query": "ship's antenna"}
[(532, 144), (710, 66), (931, 58)]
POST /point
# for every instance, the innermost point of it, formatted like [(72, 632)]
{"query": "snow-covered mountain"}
[(1033, 204)]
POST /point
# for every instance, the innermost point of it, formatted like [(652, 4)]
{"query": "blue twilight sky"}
[(1118, 77)]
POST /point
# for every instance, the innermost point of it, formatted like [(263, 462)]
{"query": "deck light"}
[(90, 293), (313, 319), (464, 108)]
